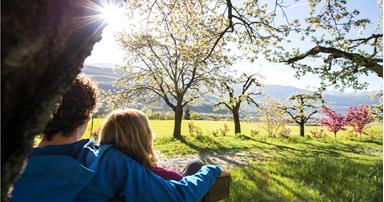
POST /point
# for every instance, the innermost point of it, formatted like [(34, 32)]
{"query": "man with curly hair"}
[(64, 167)]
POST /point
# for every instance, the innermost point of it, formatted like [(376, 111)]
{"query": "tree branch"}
[(370, 64), (225, 104), (309, 116), (365, 40), (293, 117)]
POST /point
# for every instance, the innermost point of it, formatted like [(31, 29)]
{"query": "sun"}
[(112, 13)]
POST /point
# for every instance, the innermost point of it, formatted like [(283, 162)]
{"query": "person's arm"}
[(142, 184)]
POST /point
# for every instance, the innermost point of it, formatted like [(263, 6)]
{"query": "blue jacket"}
[(85, 171)]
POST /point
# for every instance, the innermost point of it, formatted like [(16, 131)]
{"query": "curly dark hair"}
[(76, 106)]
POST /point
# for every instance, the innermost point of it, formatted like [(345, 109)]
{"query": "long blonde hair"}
[(130, 132)]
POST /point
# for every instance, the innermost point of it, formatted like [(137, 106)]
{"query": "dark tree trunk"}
[(236, 120), (334, 133), (177, 124), (302, 129), (44, 45)]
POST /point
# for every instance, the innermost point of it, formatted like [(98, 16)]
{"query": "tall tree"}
[(302, 108), (168, 60), (233, 99)]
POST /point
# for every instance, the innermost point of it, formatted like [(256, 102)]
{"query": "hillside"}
[(104, 76), (336, 100)]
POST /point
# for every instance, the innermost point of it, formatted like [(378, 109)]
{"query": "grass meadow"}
[(345, 168), (206, 141)]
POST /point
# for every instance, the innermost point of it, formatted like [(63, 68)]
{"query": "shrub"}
[(318, 133), (285, 132), (196, 116), (372, 132), (161, 116), (254, 133), (191, 127), (207, 116), (199, 131), (224, 131), (272, 115), (215, 133), (194, 130)]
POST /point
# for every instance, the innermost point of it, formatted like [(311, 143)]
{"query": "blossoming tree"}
[(358, 117), (332, 120)]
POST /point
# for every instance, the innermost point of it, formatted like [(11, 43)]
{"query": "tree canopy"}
[(343, 44), (170, 59)]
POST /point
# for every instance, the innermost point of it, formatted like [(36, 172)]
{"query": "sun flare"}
[(112, 13)]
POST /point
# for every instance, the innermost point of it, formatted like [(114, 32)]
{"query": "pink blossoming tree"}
[(332, 120), (358, 117)]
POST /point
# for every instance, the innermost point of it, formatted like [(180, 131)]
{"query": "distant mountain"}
[(336, 100), (103, 65), (101, 72), (104, 76), (281, 92), (341, 102)]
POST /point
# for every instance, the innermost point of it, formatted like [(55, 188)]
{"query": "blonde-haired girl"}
[(129, 131)]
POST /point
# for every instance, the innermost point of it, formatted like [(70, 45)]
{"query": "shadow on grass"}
[(210, 159), (311, 148), (196, 142), (372, 141), (212, 151), (308, 179)]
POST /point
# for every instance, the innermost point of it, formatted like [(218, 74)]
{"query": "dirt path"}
[(226, 159)]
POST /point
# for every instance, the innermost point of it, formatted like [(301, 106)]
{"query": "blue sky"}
[(107, 51)]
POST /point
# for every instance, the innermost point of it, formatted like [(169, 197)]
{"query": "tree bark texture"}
[(44, 44), (236, 120), (302, 129), (177, 123)]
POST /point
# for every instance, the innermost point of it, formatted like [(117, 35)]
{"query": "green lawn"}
[(301, 169), (207, 142)]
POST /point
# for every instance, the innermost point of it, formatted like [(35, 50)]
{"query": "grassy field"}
[(207, 142), (345, 168), (302, 169)]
